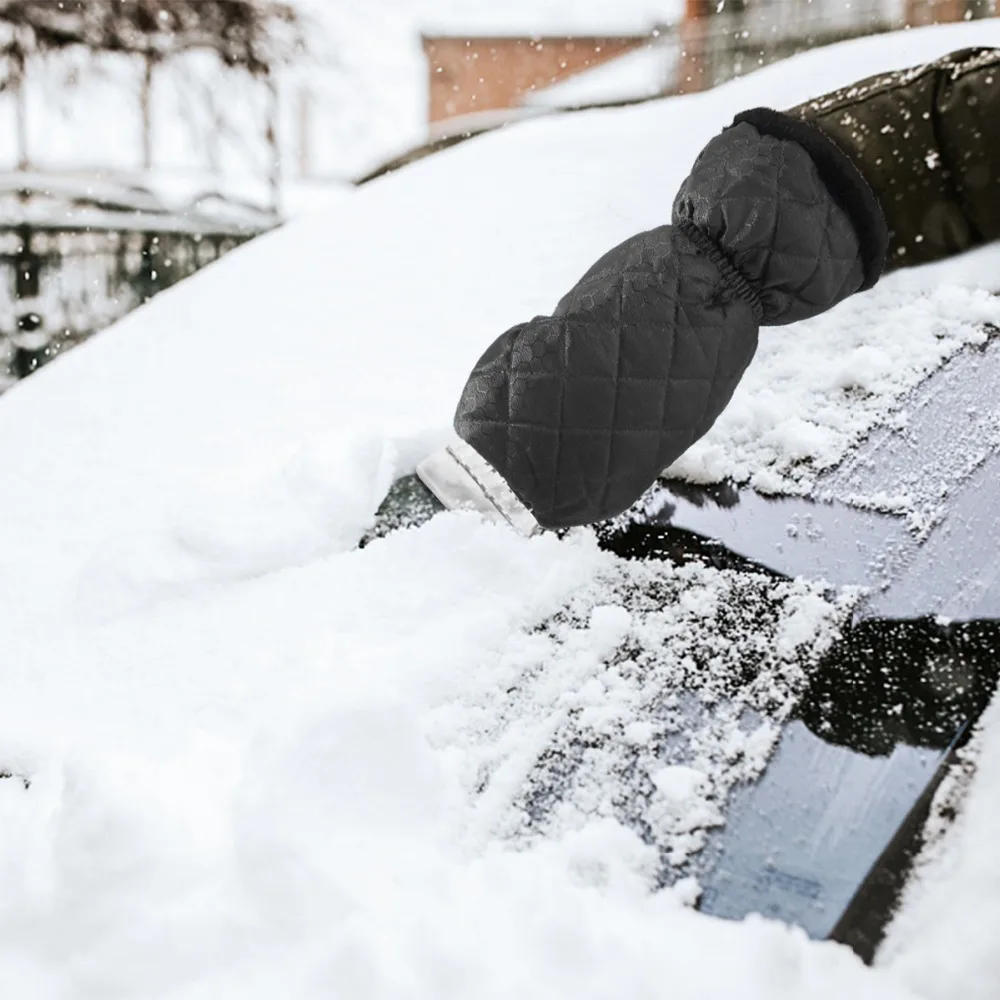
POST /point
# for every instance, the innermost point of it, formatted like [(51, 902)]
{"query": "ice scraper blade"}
[(463, 480)]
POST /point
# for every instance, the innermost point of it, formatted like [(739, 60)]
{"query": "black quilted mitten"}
[(580, 411)]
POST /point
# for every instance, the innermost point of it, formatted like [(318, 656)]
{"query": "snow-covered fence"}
[(95, 93), (78, 252)]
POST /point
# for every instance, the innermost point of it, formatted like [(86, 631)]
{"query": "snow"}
[(941, 943), (366, 85), (819, 387), (645, 73), (538, 18), (249, 760)]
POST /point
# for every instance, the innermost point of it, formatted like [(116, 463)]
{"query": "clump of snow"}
[(247, 522), (610, 710), (817, 388)]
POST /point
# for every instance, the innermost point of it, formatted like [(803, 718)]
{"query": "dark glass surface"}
[(873, 731), (884, 708), (823, 837)]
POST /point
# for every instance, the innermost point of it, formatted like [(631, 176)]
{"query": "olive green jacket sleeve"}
[(927, 140)]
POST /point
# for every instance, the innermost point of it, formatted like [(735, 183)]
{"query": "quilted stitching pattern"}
[(580, 411), (763, 202)]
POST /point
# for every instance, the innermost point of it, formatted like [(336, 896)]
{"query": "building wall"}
[(485, 74), (923, 12), (720, 43)]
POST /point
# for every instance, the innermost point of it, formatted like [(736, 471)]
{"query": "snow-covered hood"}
[(254, 752)]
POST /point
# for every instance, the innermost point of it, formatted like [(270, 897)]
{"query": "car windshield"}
[(823, 753)]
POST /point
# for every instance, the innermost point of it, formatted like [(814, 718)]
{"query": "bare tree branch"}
[(253, 36)]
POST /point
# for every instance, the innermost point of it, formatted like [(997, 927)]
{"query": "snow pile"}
[(249, 760), (286, 806), (248, 522), (816, 388), (645, 699)]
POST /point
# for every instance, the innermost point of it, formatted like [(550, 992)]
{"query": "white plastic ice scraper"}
[(463, 480)]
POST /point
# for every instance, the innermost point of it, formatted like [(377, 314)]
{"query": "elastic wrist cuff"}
[(842, 177)]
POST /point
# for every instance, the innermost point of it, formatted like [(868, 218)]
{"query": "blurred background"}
[(143, 139)]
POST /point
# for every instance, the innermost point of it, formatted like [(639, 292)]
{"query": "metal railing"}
[(72, 262)]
